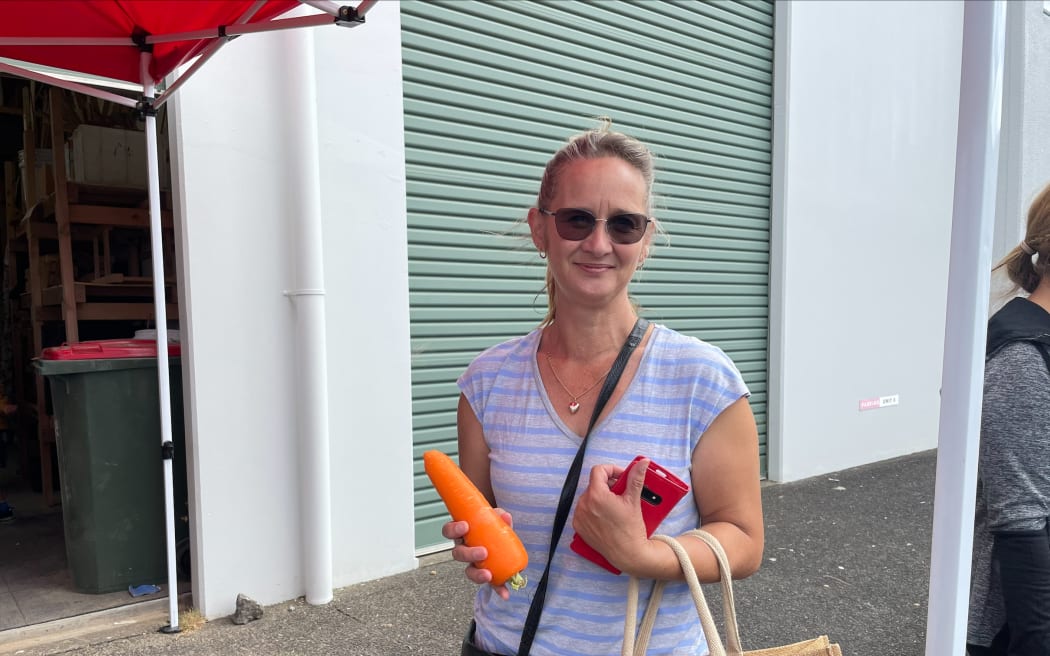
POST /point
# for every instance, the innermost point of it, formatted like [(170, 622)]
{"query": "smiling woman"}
[(592, 267), (527, 447)]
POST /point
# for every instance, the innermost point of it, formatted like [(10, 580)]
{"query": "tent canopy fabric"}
[(77, 20)]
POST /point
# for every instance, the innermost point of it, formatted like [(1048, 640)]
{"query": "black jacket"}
[(1023, 557)]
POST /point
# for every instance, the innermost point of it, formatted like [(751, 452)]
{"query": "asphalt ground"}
[(847, 554)]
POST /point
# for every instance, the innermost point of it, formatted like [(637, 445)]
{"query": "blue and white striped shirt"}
[(681, 386)]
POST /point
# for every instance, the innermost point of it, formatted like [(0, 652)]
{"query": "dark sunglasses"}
[(576, 225)]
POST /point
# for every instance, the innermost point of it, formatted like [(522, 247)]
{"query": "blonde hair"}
[(1023, 272), (593, 144)]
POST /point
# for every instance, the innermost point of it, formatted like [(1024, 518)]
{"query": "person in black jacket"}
[(1010, 576)]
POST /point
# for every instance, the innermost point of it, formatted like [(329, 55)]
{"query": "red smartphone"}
[(661, 491)]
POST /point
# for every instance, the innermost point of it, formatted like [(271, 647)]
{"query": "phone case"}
[(662, 490)]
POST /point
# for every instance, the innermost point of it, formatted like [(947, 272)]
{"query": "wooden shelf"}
[(115, 217), (85, 208), (109, 312), (74, 213), (45, 230)]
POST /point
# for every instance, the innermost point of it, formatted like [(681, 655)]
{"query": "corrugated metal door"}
[(492, 89)]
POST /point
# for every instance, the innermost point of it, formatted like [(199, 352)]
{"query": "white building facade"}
[(864, 116)]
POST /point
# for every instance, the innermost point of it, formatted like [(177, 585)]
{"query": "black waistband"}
[(468, 644)]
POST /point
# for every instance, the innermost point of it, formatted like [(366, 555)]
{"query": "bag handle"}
[(633, 646)]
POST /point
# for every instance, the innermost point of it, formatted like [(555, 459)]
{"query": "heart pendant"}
[(573, 407)]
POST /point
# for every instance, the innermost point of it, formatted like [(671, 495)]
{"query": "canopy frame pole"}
[(966, 324), (114, 41), (345, 15), (203, 58), (226, 31), (212, 48), (327, 6), (160, 311), (363, 6), (220, 32), (342, 12), (66, 84)]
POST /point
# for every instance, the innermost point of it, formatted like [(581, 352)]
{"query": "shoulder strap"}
[(568, 489)]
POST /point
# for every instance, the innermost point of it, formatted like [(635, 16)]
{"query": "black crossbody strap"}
[(568, 490)]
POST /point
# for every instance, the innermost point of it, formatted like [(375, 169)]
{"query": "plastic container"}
[(151, 334), (107, 425)]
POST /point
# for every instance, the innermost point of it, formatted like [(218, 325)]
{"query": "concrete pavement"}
[(847, 554)]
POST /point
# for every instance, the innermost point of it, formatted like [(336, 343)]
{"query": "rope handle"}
[(633, 645)]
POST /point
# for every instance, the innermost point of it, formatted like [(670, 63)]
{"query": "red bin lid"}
[(108, 349)]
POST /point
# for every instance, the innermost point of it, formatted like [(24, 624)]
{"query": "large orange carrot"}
[(507, 557)]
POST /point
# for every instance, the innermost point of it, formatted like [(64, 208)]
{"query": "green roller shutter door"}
[(492, 89)]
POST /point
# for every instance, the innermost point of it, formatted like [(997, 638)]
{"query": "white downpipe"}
[(973, 219), (160, 310), (300, 110)]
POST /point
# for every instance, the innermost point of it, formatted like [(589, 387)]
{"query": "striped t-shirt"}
[(681, 385)]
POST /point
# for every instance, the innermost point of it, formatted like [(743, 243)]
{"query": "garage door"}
[(493, 88)]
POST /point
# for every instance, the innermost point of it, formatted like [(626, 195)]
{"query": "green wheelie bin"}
[(107, 426)]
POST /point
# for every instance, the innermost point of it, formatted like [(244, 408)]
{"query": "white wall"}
[(361, 127), (1035, 155), (866, 113), (231, 146), (1024, 160)]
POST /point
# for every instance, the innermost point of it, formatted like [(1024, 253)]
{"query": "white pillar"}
[(973, 219)]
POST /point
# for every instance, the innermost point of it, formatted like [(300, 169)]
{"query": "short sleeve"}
[(721, 385), (1015, 439)]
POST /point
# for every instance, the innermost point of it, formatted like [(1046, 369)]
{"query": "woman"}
[(1010, 582), (526, 405)]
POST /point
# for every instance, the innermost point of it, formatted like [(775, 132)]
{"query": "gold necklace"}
[(575, 404)]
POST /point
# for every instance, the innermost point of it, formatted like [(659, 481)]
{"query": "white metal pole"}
[(160, 310), (67, 84), (327, 6), (202, 59), (205, 55), (364, 6), (303, 169), (973, 219), (55, 41), (246, 28)]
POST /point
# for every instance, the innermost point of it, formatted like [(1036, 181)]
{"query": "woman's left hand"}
[(612, 523)]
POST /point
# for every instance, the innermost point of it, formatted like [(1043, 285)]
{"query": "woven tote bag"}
[(636, 639)]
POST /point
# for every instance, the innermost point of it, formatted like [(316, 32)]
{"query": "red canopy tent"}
[(144, 42), (82, 27)]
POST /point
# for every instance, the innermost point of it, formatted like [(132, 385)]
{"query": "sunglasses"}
[(576, 225)]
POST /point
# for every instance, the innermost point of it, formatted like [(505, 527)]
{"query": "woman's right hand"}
[(473, 555)]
